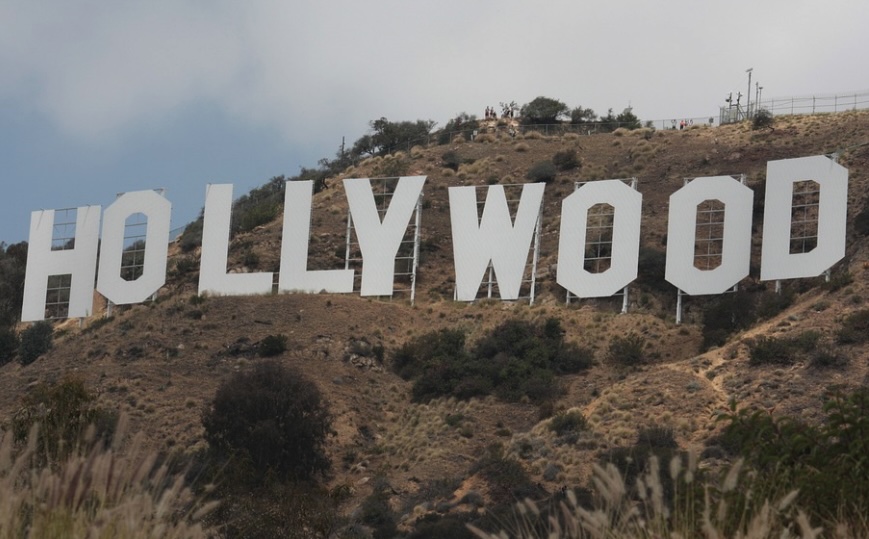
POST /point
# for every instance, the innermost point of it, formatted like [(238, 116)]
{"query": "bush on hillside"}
[(855, 328), (771, 303), (8, 345), (568, 422), (634, 461), (272, 345), (782, 350), (13, 261), (788, 453), (650, 270), (542, 171), (291, 510), (463, 125), (763, 119), (566, 160), (861, 222), (260, 206), (451, 160), (64, 412), (35, 341), (191, 237), (627, 350), (507, 479), (516, 359), (726, 315), (272, 419)]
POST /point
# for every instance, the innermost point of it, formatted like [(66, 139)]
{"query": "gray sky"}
[(99, 97)]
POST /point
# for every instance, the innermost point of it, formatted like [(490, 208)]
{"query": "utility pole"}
[(748, 94)]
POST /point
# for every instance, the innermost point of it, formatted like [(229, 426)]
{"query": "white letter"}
[(777, 262), (493, 238), (158, 210), (379, 242), (213, 278), (294, 274), (571, 273), (682, 230), (80, 262)]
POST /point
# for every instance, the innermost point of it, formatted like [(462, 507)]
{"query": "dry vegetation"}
[(160, 363)]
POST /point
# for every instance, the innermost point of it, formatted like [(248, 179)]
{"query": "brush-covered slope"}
[(161, 362)]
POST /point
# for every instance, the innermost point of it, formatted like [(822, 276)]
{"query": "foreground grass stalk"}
[(711, 510), (101, 493)]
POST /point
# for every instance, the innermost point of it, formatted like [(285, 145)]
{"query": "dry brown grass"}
[(102, 493)]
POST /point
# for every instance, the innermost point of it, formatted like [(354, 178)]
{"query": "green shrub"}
[(781, 350), (35, 341), (633, 461), (507, 479), (568, 422), (378, 514), (462, 125), (627, 350), (272, 345), (726, 315), (516, 359), (771, 303), (650, 269), (436, 526), (64, 412), (825, 357), (566, 160), (184, 265), (391, 168), (855, 328), (13, 262), (293, 510), (542, 171), (788, 453), (451, 160), (8, 344), (861, 222), (838, 281), (260, 206), (762, 119), (271, 419), (543, 110)]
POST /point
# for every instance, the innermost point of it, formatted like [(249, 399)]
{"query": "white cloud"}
[(314, 70)]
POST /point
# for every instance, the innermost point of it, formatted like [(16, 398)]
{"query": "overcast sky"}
[(103, 97)]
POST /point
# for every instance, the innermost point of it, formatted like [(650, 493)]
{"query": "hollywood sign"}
[(493, 238)]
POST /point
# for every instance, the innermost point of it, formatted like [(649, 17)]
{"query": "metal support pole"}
[(678, 306), (536, 256), (347, 242), (748, 94), (416, 236), (625, 300), (491, 280)]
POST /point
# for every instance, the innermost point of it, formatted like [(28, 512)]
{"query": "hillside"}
[(162, 362)]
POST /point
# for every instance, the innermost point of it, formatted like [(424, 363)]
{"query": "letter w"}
[(493, 239)]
